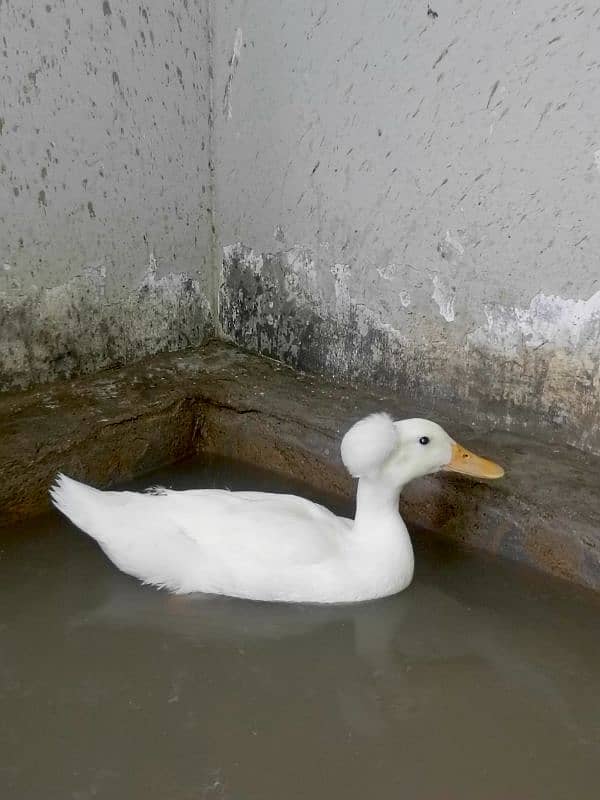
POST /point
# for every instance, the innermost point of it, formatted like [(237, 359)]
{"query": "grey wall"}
[(413, 200), (105, 221), (398, 198)]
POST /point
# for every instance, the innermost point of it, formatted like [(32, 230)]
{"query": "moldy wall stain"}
[(105, 220), (277, 305), (73, 328)]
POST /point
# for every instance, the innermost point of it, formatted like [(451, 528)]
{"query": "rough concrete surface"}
[(411, 198), (220, 400), (105, 180), (398, 195)]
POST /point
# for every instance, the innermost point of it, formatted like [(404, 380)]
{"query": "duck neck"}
[(376, 499)]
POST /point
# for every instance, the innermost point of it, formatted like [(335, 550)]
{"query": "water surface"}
[(480, 681)]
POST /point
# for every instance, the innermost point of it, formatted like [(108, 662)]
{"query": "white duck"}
[(277, 547)]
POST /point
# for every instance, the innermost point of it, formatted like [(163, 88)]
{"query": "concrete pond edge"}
[(219, 400)]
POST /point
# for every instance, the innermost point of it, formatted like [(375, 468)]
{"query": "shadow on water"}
[(480, 681)]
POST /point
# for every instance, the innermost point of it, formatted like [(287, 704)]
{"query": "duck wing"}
[(202, 540)]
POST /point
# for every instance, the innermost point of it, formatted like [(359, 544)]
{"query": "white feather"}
[(368, 444)]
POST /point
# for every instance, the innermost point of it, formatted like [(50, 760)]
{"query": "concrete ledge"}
[(121, 423)]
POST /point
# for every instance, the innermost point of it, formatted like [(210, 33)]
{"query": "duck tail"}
[(77, 501)]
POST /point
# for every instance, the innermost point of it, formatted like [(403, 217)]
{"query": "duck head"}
[(398, 452)]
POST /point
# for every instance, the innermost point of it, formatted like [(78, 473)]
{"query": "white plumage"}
[(368, 443), (265, 546)]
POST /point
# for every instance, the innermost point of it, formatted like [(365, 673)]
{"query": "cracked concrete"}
[(220, 400)]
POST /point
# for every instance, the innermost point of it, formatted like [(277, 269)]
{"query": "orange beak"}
[(467, 463)]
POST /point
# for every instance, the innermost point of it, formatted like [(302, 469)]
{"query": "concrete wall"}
[(105, 218), (400, 198), (411, 198)]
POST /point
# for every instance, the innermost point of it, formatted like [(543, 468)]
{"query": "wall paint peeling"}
[(444, 296), (559, 322)]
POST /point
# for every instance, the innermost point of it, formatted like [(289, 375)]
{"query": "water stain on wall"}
[(77, 327), (526, 369)]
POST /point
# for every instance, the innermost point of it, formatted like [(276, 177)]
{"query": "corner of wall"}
[(216, 262)]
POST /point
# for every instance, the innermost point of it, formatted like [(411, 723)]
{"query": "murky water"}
[(480, 681)]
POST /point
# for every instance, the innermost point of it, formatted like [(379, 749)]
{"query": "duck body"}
[(253, 545), (256, 545)]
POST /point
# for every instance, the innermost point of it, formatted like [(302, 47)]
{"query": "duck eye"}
[(424, 440)]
